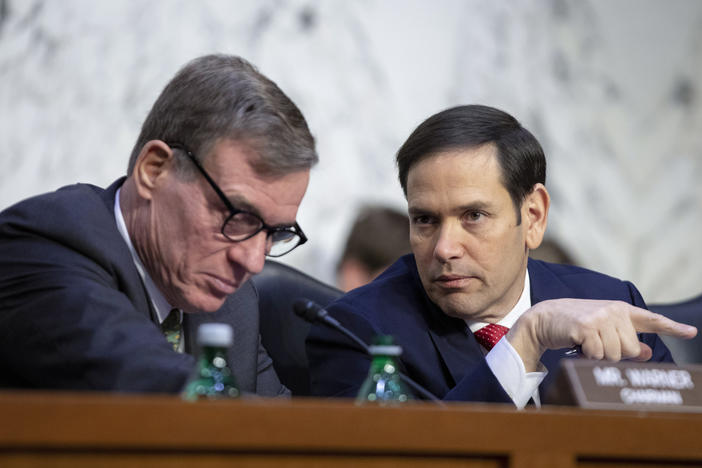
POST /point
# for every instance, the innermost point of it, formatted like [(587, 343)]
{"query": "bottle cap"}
[(385, 350), (384, 345), (215, 334)]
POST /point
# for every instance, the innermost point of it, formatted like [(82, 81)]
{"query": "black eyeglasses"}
[(241, 225)]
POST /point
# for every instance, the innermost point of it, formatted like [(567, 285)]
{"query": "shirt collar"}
[(158, 300), (522, 305)]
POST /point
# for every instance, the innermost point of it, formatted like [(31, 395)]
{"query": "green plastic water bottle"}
[(383, 385), (212, 378)]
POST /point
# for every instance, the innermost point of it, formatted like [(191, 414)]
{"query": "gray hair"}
[(218, 97)]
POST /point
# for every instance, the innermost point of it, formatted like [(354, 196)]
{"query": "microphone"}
[(313, 312)]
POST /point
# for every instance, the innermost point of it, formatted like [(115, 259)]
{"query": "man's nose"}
[(449, 241), (251, 253)]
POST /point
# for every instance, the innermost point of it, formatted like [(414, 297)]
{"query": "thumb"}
[(644, 354)]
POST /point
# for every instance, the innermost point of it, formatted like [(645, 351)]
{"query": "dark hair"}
[(379, 236), (521, 159), (217, 97)]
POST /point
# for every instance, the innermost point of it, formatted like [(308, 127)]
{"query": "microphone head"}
[(300, 306), (307, 309)]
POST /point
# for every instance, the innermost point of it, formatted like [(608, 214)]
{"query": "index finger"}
[(646, 321)]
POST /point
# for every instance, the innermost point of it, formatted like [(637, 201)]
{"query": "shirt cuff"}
[(507, 366)]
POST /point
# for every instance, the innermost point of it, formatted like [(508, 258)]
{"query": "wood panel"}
[(53, 429)]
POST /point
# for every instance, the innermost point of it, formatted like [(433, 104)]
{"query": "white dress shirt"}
[(504, 361), (158, 300)]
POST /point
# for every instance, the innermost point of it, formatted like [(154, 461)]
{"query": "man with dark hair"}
[(103, 289), (378, 237), (474, 182)]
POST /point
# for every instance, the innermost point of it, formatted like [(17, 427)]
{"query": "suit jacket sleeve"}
[(65, 324), (267, 382), (338, 366), (73, 310)]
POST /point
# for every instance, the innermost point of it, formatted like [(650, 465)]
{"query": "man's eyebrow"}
[(478, 205), (415, 210), (241, 203)]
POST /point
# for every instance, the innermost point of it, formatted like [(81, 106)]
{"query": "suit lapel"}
[(456, 346), (459, 350), (240, 311), (545, 285), (191, 322), (123, 262)]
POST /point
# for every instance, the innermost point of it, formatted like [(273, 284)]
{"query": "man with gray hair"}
[(103, 289)]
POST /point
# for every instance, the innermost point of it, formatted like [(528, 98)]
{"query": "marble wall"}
[(610, 87)]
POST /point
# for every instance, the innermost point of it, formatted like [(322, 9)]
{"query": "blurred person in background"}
[(378, 237), (552, 251)]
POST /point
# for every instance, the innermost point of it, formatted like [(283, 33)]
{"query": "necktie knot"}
[(490, 334), (171, 328)]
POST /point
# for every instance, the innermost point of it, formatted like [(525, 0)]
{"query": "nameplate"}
[(629, 386)]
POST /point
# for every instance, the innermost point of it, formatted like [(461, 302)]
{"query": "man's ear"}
[(535, 215), (154, 162)]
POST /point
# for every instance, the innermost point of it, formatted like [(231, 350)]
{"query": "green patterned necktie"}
[(171, 328)]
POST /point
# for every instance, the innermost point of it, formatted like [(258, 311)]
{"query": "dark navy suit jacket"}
[(439, 351), (74, 313)]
